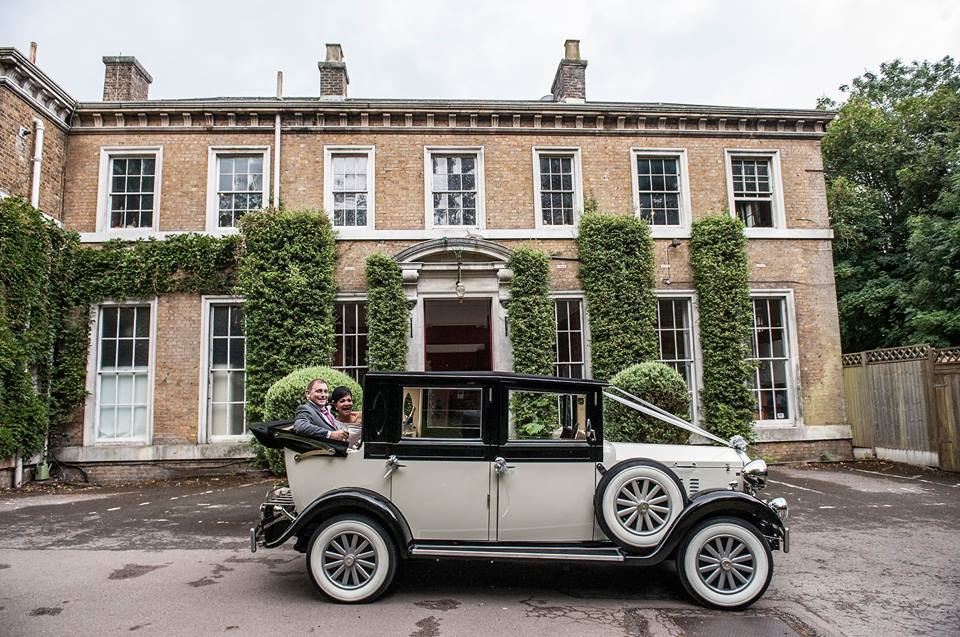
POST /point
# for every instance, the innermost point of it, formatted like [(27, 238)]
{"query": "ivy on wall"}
[(387, 315), (532, 335), (718, 255), (286, 277), (617, 271), (29, 264)]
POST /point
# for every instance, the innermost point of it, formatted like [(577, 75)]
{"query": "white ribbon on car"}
[(649, 409)]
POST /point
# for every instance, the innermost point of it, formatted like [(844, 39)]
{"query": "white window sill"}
[(670, 232), (788, 233)]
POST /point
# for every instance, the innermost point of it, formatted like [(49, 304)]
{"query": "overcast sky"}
[(724, 52)]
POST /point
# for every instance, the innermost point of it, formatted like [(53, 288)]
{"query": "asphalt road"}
[(874, 552)]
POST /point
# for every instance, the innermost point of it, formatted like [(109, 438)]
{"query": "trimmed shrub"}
[(387, 315), (718, 254), (617, 271), (655, 383), (288, 393), (531, 312), (286, 277)]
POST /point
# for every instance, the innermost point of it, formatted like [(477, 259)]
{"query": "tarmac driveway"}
[(874, 552)]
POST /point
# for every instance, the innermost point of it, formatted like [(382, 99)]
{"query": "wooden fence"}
[(904, 403)]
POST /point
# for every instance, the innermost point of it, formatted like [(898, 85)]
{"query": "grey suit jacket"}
[(310, 421)]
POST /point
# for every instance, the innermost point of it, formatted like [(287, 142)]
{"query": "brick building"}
[(446, 187)]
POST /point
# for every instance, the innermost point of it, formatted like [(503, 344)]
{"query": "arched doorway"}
[(457, 289)]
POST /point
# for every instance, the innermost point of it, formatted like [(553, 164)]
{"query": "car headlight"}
[(755, 474), (779, 505)]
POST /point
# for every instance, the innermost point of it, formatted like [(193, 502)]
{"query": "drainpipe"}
[(37, 162), (276, 145)]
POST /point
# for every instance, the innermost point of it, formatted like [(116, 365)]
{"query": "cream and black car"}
[(449, 466)]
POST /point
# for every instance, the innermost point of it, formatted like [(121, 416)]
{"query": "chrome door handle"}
[(500, 466), (393, 463)]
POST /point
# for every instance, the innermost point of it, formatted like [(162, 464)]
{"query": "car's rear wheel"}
[(637, 502), (725, 563), (352, 559)]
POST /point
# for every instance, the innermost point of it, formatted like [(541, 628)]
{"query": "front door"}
[(457, 335), (547, 477)]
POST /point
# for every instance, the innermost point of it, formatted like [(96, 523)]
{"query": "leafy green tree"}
[(893, 169)]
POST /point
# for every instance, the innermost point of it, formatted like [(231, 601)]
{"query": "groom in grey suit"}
[(313, 419)]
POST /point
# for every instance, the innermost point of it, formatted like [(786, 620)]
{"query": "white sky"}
[(762, 53)]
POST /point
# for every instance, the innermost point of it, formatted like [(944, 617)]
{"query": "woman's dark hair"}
[(339, 393)]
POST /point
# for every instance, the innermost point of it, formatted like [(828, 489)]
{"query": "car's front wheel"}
[(725, 563), (352, 559)]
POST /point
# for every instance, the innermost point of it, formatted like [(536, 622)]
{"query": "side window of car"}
[(441, 412), (547, 416)]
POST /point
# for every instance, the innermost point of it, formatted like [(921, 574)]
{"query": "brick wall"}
[(16, 153), (806, 451), (804, 266)]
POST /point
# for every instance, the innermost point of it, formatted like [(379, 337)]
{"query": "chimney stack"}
[(333, 74), (125, 80), (570, 81), (33, 53)]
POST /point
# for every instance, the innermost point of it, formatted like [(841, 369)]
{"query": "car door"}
[(544, 470), (441, 477)]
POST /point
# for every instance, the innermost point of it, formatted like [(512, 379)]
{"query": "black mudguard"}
[(346, 500)]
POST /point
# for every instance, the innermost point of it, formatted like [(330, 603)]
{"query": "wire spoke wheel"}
[(725, 564), (348, 561), (642, 506)]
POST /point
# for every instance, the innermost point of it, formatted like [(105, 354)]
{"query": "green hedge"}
[(285, 395), (286, 277), (387, 315), (655, 383), (718, 255), (617, 271), (533, 337)]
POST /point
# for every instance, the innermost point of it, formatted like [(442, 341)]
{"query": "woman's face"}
[(344, 405)]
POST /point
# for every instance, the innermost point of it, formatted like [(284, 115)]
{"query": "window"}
[(454, 188), (661, 195), (675, 341), (538, 415), (450, 413), (770, 350), (238, 183), (348, 185), (753, 181), (123, 373), (569, 344), (557, 186), (350, 331), (227, 371), (129, 190)]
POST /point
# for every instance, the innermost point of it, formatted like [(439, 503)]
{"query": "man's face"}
[(318, 394)]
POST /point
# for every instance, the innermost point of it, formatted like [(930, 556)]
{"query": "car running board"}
[(507, 552)]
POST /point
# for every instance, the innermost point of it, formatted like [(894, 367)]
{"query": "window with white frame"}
[(770, 349), (123, 373), (227, 371), (131, 191), (661, 189), (241, 186), (350, 332), (569, 342), (454, 187), (349, 186), (557, 187), (755, 191), (675, 341)]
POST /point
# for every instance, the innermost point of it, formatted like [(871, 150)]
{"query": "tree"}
[(892, 158)]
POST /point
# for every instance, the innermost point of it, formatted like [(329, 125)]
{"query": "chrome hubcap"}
[(349, 560), (643, 507), (725, 564)]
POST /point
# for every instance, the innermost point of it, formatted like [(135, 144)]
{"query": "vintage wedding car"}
[(442, 472)]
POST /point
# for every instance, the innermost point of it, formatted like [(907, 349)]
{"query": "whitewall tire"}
[(351, 559), (725, 563), (637, 502)]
